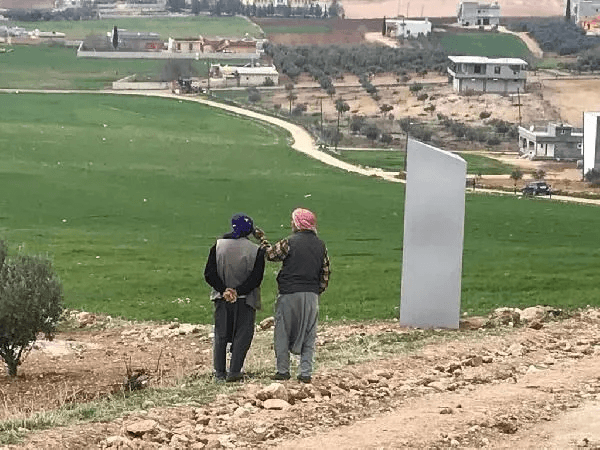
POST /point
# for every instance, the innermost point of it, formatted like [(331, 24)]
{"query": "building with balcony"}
[(480, 74), (558, 141)]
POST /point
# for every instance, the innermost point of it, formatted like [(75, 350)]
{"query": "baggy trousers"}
[(234, 322), (296, 317)]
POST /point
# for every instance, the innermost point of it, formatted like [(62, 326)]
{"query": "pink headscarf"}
[(304, 220)]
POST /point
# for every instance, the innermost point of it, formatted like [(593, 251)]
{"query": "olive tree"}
[(341, 107), (30, 304), (516, 175)]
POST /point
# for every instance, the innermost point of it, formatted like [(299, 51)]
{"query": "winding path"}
[(302, 140)]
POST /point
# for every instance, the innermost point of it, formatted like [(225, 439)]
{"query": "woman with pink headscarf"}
[(302, 278)]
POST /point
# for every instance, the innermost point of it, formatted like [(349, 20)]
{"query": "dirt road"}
[(377, 386)]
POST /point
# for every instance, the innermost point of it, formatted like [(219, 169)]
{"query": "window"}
[(497, 69), (477, 68), (515, 68)]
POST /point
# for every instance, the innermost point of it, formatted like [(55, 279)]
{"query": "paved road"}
[(302, 140)]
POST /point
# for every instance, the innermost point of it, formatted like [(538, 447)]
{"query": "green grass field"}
[(165, 26), (129, 210), (485, 44), (43, 67), (391, 160)]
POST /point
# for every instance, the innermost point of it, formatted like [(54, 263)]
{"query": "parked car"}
[(537, 188)]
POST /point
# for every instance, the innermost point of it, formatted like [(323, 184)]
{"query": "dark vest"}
[(301, 271)]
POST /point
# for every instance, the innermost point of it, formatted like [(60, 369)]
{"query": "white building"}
[(236, 76), (584, 9), (478, 14), (591, 141), (407, 28), (483, 74)]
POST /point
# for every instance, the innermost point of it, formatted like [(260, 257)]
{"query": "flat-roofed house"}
[(475, 13), (237, 76), (584, 10), (483, 74), (406, 28), (553, 141)]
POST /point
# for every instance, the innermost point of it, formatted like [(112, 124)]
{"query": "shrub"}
[(253, 95), (430, 108), (421, 133), (269, 82), (332, 135), (372, 132), (357, 123), (416, 87), (493, 140), (484, 114), (30, 303), (385, 108), (386, 138), (592, 176), (299, 109), (538, 174), (422, 97)]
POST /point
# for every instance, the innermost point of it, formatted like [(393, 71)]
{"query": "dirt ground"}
[(368, 9), (492, 384)]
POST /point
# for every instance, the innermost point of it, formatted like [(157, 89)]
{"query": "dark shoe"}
[(304, 379), (281, 376), (234, 378), (219, 377)]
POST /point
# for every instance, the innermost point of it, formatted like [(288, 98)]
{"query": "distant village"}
[(466, 74)]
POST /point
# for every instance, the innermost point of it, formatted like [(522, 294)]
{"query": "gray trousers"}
[(234, 322), (296, 317)]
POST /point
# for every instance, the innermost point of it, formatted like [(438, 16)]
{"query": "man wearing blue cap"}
[(234, 270)]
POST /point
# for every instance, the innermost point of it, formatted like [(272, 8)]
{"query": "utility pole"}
[(321, 99), (583, 146), (208, 88), (519, 104)]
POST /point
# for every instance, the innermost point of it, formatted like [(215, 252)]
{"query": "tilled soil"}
[(532, 386)]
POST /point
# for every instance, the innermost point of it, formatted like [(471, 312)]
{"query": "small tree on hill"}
[(30, 303), (516, 175), (115, 37), (568, 11)]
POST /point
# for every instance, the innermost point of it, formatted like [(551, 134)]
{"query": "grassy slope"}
[(485, 44), (165, 26), (122, 255)]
